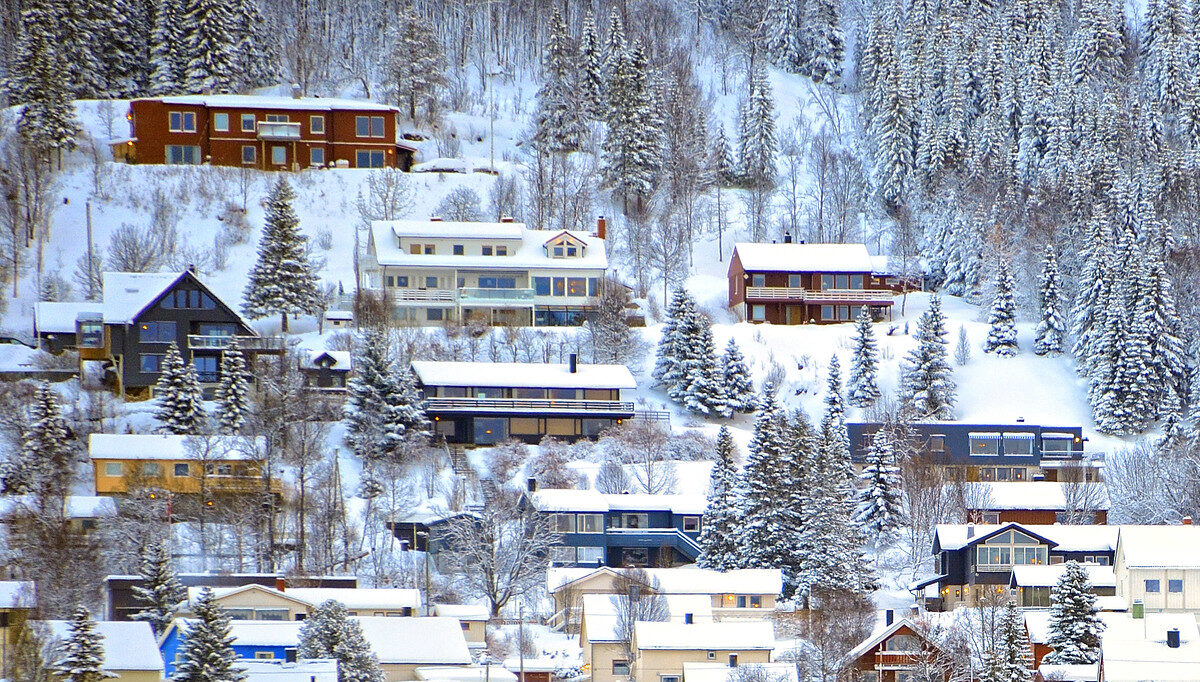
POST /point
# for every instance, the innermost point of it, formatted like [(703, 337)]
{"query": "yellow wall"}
[(601, 655), (132, 477), (259, 599), (1131, 584), (654, 662), (10, 635), (724, 605), (476, 631)]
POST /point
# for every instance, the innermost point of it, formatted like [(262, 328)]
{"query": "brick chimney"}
[(281, 584), (1187, 520), (601, 227)]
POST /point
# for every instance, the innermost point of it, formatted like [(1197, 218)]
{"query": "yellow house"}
[(17, 600), (130, 650), (185, 465), (257, 602), (472, 617), (1159, 566), (662, 649), (604, 646)]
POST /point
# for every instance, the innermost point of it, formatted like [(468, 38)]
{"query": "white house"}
[(1159, 566)]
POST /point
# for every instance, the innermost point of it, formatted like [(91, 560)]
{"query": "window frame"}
[(758, 313), (187, 470), (314, 129), (158, 327), (278, 155), (184, 151), (370, 156), (1174, 586), (157, 364), (312, 154), (252, 157), (111, 467), (620, 666), (221, 121), (183, 118), (1152, 582), (249, 123)]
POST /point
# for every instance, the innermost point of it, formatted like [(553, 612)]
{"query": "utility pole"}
[(521, 640), (90, 254)]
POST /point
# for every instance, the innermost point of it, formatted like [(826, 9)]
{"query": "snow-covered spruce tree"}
[(206, 653), (721, 169), (161, 592), (44, 464), (962, 349), (705, 392), (834, 441), (880, 508), (614, 47), (180, 406), (330, 633), (718, 536), (735, 377), (282, 280), (767, 534), (825, 42), (167, 53), (863, 388), (210, 46), (1002, 337), (631, 148), (890, 105), (1170, 358), (365, 391), (756, 133), (591, 72), (1011, 658), (40, 81), (233, 391), (558, 121), (1074, 626), (669, 371), (1095, 286), (1166, 55), (927, 384), (403, 413), (83, 651), (416, 65), (784, 24), (1052, 328), (257, 49)]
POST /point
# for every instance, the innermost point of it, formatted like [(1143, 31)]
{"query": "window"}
[(794, 282), (937, 443), (563, 394), (576, 286), (277, 118), (593, 286), (984, 443), (486, 250), (758, 280), (206, 367), (368, 126), (182, 121), (991, 517), (1175, 586), (560, 286), (749, 601), (842, 282), (668, 678), (156, 332), (91, 334), (435, 314), (620, 667), (458, 250), (501, 250), (182, 470), (1010, 548), (316, 156), (368, 158), (633, 521), (1017, 444), (183, 155), (563, 523), (278, 155), (248, 123), (591, 523), (590, 555), (541, 286), (221, 123), (151, 469), (114, 469), (431, 249), (271, 614), (376, 126), (1152, 586), (401, 280), (248, 154), (316, 125), (431, 282), (856, 281), (758, 313), (264, 655), (150, 364), (187, 298), (691, 524)]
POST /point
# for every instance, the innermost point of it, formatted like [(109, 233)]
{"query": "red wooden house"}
[(793, 283), (895, 653), (267, 133)]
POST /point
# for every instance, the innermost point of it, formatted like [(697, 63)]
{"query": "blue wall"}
[(170, 646)]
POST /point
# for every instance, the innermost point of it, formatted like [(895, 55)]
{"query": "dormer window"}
[(565, 246)]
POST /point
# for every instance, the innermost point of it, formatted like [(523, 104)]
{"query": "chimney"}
[(787, 237), (732, 660), (531, 484), (435, 219), (687, 619), (296, 92), (1187, 520), (601, 227), (970, 530), (281, 583), (289, 655), (1020, 420), (1173, 638), (889, 617), (573, 363), (507, 219)]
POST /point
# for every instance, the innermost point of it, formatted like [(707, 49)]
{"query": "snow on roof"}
[(474, 673), (804, 257), (882, 631), (268, 102), (463, 611), (341, 359), (307, 669), (1047, 575), (128, 645), (728, 635), (126, 294), (530, 253), (339, 315), (600, 612), (879, 265), (522, 375), (558, 499), (952, 536), (1160, 546), (1083, 672), (258, 632), (428, 640), (447, 229), (75, 506), (55, 317), (17, 594), (1136, 648), (359, 597), (172, 447), (1033, 495), (687, 579), (706, 671)]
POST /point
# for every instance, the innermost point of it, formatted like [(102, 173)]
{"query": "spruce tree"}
[(718, 536), (83, 651), (738, 388), (210, 46), (705, 390), (927, 384), (825, 42), (45, 462), (416, 65), (670, 371), (591, 72), (880, 509), (365, 391), (1010, 659), (1052, 328), (1002, 337), (558, 121), (282, 280), (631, 148), (863, 388), (41, 80), (161, 591), (756, 134), (206, 653), (180, 406), (167, 48), (402, 412), (330, 633), (1074, 626), (257, 46), (721, 169), (232, 391), (767, 535)]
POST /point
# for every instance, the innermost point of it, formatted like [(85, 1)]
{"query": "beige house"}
[(472, 617), (257, 602), (1159, 566), (604, 647), (662, 649), (17, 601), (130, 650)]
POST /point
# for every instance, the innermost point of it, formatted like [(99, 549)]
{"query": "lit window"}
[(156, 332), (501, 250), (984, 443)]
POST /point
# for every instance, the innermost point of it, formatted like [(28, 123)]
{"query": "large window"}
[(1018, 443), (91, 334), (182, 155), (278, 118), (1153, 586), (206, 367), (591, 523), (221, 123), (563, 523), (562, 556), (835, 312), (368, 158), (1008, 549), (758, 280), (182, 121), (1175, 586), (984, 443), (497, 282), (590, 555), (156, 332), (193, 299), (150, 364), (576, 286), (758, 313), (1056, 443), (795, 282), (368, 126)]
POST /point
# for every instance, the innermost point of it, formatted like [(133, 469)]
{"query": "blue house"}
[(252, 639), (1017, 451), (622, 530)]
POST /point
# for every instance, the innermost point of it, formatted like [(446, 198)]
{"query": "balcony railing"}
[(833, 295), (263, 344), (654, 537), (518, 404), (278, 130), (898, 660), (507, 295), (422, 295)]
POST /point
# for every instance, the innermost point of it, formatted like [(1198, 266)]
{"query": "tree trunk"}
[(283, 322)]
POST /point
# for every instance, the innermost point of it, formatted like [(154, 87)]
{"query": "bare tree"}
[(26, 183), (612, 479), (1082, 498), (842, 621), (133, 249), (638, 599), (646, 446)]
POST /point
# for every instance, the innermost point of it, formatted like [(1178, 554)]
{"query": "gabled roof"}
[(522, 375), (882, 634), (157, 446), (949, 536), (352, 598), (803, 257), (1095, 538), (339, 360), (566, 237), (126, 295), (1160, 546), (128, 645)]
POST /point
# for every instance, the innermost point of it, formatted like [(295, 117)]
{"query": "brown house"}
[(1042, 503), (267, 133), (898, 651), (792, 283)]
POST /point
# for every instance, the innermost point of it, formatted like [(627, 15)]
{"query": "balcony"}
[(278, 130), (898, 660), (422, 295), (797, 294), (255, 344), (510, 296), (540, 405), (654, 537)]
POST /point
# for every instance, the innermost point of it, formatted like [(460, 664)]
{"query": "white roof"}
[(341, 359), (1086, 672), (706, 671), (522, 375), (1136, 649), (268, 102), (303, 670), (17, 594), (128, 645), (1047, 575), (58, 317), (529, 253), (463, 611), (428, 640), (172, 447), (600, 613), (1067, 538), (879, 265), (688, 579), (730, 635), (445, 229), (1161, 546), (804, 257), (359, 597), (339, 315), (75, 506), (557, 499), (474, 673), (1035, 495), (127, 293)]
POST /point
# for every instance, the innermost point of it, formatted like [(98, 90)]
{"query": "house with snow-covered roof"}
[(483, 403), (1134, 646), (131, 653), (1158, 567), (1037, 502), (435, 272), (662, 649), (798, 283), (201, 466), (260, 602), (326, 370), (139, 316), (1031, 585), (600, 634), (896, 651)]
